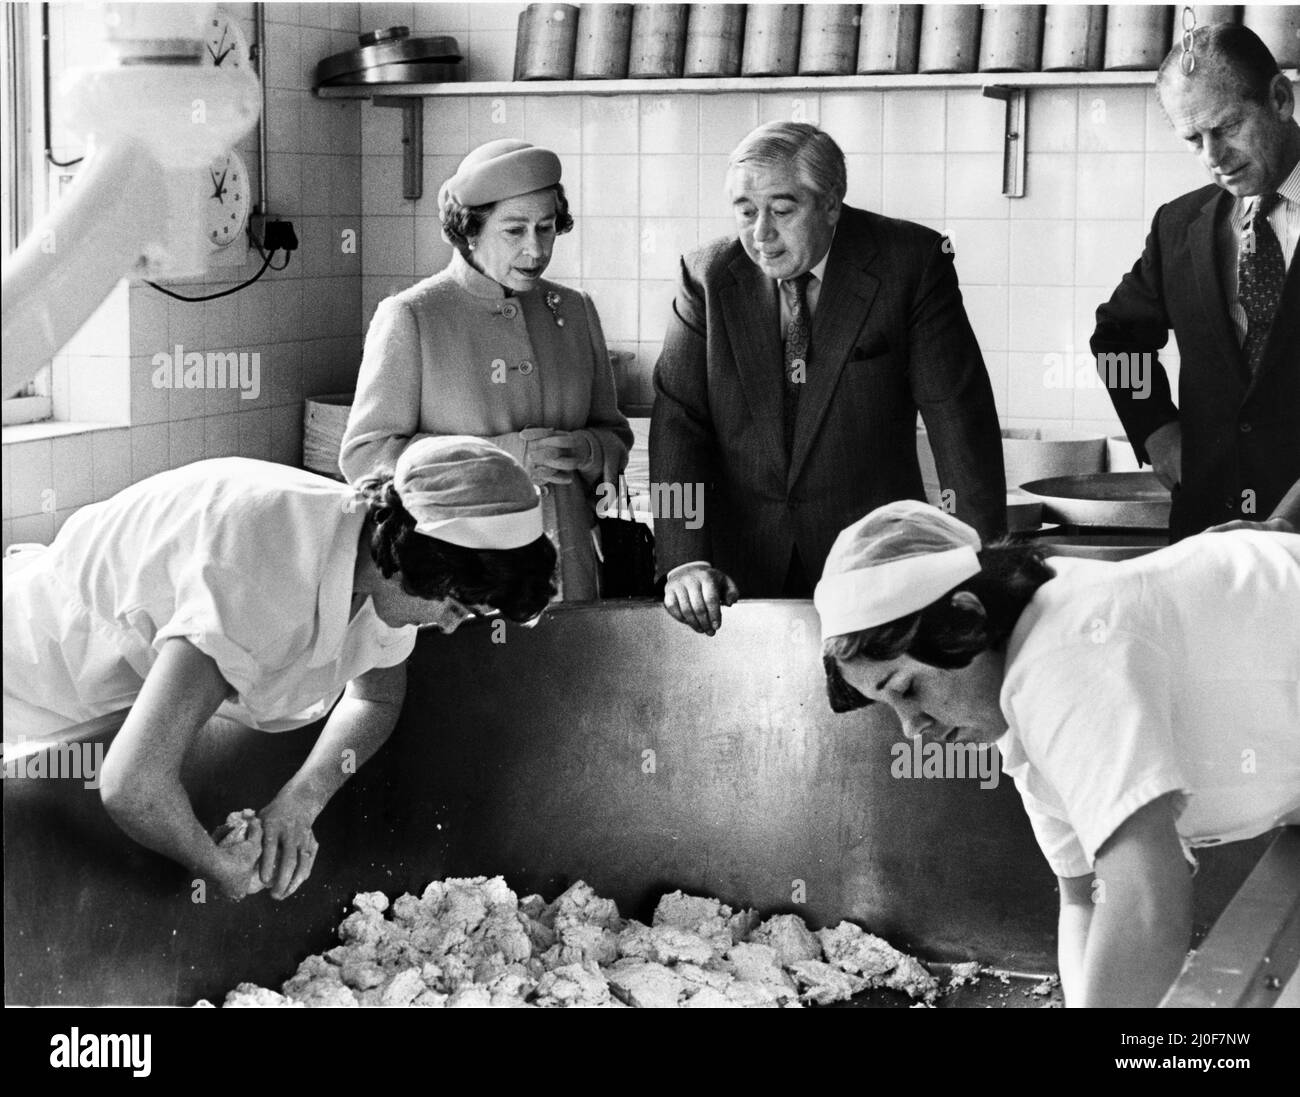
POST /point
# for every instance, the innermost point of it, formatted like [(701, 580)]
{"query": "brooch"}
[(553, 303)]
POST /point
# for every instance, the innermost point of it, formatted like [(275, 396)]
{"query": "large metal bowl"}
[(1129, 500)]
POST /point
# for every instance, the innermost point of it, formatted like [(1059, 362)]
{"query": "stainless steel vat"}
[(528, 758)]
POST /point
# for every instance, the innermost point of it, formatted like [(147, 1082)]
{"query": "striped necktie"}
[(797, 353), (1261, 270)]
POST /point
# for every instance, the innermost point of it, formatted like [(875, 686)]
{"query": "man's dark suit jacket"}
[(890, 335), (1241, 434)]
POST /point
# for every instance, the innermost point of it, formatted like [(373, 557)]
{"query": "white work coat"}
[(250, 561)]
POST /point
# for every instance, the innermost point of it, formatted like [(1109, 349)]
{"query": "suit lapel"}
[(846, 298), (1202, 238), (753, 323)]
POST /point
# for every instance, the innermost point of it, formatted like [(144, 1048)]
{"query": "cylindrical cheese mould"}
[(950, 36), (828, 40), (771, 40), (604, 35), (1011, 38), (714, 37), (1137, 36), (1278, 28), (890, 39), (545, 43), (1074, 37), (658, 41)]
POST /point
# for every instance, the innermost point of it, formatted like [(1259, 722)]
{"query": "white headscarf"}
[(897, 560)]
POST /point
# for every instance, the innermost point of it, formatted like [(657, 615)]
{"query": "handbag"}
[(627, 552)]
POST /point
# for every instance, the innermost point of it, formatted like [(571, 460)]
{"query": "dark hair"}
[(460, 224), (946, 635), (515, 581), (1225, 48)]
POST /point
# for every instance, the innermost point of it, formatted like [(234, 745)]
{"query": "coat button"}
[(525, 367), (544, 490), (1246, 428), (509, 311)]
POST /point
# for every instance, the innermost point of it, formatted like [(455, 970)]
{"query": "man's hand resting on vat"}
[(695, 594)]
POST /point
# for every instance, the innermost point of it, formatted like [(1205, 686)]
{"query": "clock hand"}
[(224, 53), (216, 193), (221, 187)]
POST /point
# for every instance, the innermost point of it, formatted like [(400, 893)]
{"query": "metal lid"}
[(442, 49)]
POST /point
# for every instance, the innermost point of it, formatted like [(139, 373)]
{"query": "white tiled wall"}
[(304, 322)]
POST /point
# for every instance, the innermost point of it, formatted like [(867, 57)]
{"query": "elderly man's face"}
[(1248, 148), (784, 227), (948, 706)]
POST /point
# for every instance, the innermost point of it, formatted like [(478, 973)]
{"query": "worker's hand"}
[(554, 455), (1269, 525), (288, 844), (1165, 448), (239, 847), (695, 595)]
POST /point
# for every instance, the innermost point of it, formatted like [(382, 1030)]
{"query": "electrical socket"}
[(270, 233)]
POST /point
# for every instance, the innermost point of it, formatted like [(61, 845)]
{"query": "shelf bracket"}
[(412, 108), (1013, 137)]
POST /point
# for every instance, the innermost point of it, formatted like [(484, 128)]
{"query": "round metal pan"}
[(395, 51), (414, 72), (1132, 500)]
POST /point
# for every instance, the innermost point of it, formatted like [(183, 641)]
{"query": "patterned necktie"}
[(797, 354), (1261, 271)]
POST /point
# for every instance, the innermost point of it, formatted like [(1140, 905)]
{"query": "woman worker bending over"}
[(489, 347), (262, 593), (1144, 708)]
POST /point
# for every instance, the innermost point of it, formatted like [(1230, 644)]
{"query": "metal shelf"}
[(1011, 87), (707, 86)]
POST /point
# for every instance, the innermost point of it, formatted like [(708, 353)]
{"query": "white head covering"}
[(468, 492), (897, 560)]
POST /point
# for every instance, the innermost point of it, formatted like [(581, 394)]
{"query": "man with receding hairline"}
[(796, 358), (1217, 270)]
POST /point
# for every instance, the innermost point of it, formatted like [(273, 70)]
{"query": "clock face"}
[(226, 209), (225, 46)]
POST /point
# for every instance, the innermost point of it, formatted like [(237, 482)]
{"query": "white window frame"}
[(25, 178)]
